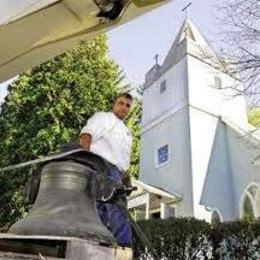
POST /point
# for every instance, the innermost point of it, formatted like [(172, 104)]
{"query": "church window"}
[(248, 208), (163, 86), (257, 200), (215, 217), (250, 202), (218, 82), (162, 154)]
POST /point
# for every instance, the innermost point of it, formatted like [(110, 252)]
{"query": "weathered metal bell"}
[(65, 205)]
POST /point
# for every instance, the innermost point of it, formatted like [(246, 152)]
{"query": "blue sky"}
[(134, 45)]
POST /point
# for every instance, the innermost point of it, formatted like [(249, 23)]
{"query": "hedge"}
[(189, 238)]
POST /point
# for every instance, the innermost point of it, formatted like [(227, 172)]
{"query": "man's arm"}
[(85, 141)]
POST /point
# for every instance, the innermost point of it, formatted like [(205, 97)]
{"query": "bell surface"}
[(64, 205)]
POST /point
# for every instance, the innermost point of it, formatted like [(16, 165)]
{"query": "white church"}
[(199, 155)]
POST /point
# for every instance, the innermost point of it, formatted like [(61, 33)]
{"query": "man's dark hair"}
[(126, 95)]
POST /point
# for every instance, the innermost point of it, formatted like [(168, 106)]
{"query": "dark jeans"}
[(114, 217)]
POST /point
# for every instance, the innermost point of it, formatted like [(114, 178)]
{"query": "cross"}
[(186, 8), (156, 57)]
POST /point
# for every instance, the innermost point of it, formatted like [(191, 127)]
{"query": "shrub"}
[(189, 238)]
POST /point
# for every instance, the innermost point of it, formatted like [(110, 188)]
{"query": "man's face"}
[(121, 107)]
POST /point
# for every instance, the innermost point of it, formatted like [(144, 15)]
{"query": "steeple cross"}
[(186, 9)]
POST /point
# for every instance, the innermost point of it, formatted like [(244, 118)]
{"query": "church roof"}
[(155, 190), (223, 171), (188, 41), (252, 134)]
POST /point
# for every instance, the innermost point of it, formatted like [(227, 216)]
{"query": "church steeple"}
[(188, 41), (187, 33)]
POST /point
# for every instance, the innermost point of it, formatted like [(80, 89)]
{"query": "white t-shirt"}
[(110, 138)]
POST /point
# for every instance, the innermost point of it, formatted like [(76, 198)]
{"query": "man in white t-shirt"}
[(106, 135)]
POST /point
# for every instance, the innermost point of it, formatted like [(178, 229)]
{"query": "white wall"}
[(243, 171), (218, 191), (204, 95), (202, 134), (209, 101), (230, 172), (175, 176), (155, 104)]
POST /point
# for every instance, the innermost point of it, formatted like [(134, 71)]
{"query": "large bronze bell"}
[(65, 205)]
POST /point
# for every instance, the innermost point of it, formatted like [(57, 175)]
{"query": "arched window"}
[(250, 204), (248, 210), (215, 217), (257, 200)]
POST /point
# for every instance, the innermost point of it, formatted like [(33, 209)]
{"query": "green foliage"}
[(48, 106), (173, 238), (195, 239), (133, 123), (254, 116)]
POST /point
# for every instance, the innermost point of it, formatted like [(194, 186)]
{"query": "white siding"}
[(204, 95), (218, 189), (155, 104), (202, 134), (230, 172), (175, 176), (243, 171)]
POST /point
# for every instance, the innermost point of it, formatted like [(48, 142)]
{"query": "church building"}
[(199, 155)]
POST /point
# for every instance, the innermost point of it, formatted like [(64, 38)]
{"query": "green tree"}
[(133, 123), (47, 106)]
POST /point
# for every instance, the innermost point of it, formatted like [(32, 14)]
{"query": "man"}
[(105, 134)]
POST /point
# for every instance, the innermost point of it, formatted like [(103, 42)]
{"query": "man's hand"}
[(126, 180), (85, 141)]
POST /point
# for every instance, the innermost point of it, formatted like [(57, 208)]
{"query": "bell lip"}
[(8, 235), (109, 240)]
